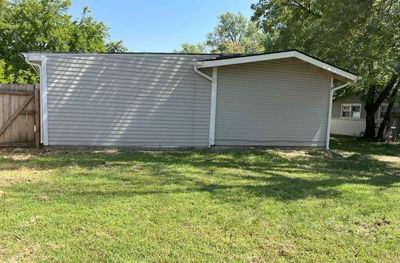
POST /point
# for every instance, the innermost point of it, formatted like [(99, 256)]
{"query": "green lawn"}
[(242, 206)]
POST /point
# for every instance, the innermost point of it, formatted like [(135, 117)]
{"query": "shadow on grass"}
[(229, 176), (361, 146)]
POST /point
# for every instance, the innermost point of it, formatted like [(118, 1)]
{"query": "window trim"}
[(379, 111), (351, 110)]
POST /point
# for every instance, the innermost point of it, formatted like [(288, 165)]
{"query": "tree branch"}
[(384, 94), (307, 10), (386, 120)]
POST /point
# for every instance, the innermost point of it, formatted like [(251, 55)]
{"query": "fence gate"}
[(19, 115), (394, 126)]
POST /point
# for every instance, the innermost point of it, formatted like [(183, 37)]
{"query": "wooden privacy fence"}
[(394, 128), (19, 115)]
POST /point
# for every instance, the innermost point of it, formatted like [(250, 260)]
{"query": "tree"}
[(233, 34), (193, 48), (116, 47), (361, 36), (386, 120), (45, 25)]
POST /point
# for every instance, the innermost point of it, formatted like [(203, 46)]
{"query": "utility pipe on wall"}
[(328, 128), (213, 104)]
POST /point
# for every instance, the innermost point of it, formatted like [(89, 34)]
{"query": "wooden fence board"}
[(18, 105), (16, 110), (15, 92), (394, 126)]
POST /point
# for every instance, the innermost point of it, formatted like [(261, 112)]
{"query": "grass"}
[(243, 206)]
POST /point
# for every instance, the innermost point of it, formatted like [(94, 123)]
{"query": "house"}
[(348, 116), (186, 100)]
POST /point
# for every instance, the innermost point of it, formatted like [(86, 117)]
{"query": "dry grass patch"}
[(17, 169), (15, 179)]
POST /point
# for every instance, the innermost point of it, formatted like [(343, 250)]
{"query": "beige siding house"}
[(348, 116), (185, 100)]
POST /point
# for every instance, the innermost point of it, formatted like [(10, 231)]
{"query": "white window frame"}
[(351, 110), (379, 111)]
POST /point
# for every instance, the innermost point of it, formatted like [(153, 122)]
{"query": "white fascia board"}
[(281, 55), (326, 66), (33, 56)]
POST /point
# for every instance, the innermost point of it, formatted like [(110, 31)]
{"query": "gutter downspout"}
[(43, 94), (213, 105), (332, 91)]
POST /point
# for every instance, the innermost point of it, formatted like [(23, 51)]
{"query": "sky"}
[(160, 25)]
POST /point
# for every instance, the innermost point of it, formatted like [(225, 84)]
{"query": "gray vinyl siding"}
[(151, 100), (272, 103)]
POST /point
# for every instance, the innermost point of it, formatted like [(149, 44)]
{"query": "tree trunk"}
[(386, 120), (372, 106), (369, 124), (369, 133)]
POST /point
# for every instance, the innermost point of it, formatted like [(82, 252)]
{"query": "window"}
[(382, 110), (351, 111)]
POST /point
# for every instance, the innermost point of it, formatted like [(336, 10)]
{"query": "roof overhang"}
[(32, 56), (274, 56)]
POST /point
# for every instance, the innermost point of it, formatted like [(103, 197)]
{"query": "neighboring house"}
[(185, 100), (348, 116)]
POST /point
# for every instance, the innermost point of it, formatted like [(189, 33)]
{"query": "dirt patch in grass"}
[(11, 180), (290, 154), (21, 154), (26, 254), (18, 157), (282, 249), (30, 251)]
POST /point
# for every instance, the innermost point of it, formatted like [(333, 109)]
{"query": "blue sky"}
[(160, 25)]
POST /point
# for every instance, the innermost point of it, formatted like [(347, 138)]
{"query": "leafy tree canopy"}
[(45, 25), (233, 34), (362, 36), (193, 48)]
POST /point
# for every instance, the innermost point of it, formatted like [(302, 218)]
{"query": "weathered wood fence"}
[(19, 115), (394, 126)]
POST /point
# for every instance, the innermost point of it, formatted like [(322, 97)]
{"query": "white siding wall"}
[(352, 127), (126, 100), (348, 127), (283, 103)]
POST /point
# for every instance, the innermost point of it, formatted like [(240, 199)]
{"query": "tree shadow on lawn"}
[(361, 146), (297, 178), (228, 176)]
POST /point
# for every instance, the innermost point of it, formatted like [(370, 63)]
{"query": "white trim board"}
[(32, 59), (273, 56), (43, 101)]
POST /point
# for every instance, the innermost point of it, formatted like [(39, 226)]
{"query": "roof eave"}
[(274, 56), (32, 56)]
